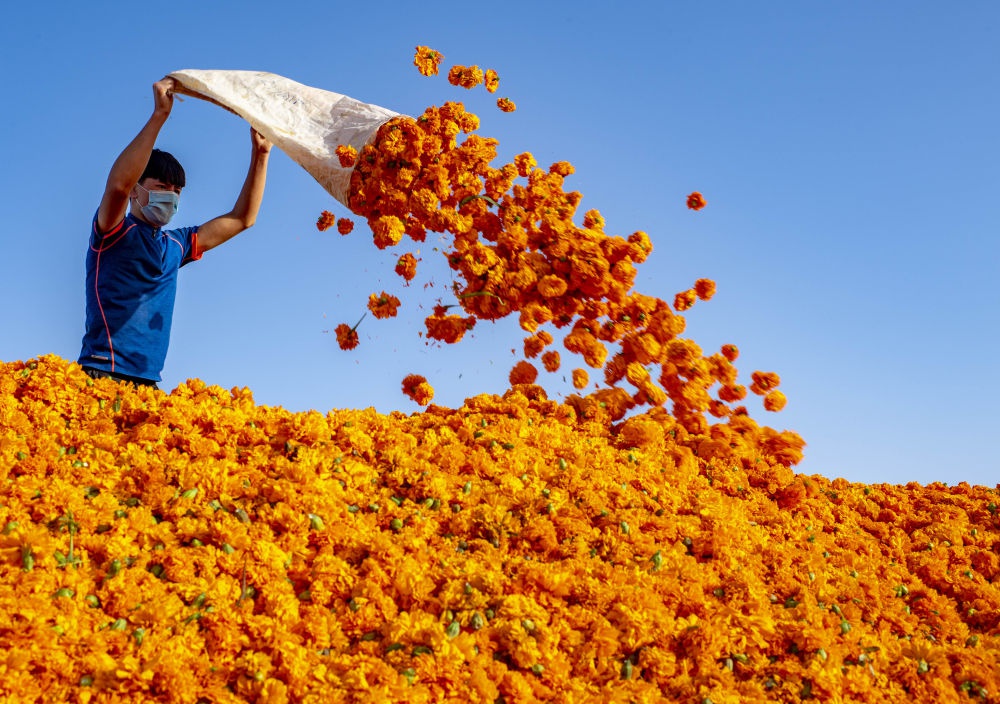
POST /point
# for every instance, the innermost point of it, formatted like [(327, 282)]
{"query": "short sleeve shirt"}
[(131, 288)]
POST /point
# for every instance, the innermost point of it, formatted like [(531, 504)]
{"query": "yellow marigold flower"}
[(347, 337), (730, 352), (347, 155), (465, 76), (416, 388), (387, 231), (325, 221), (684, 300), (427, 60), (696, 201), (491, 80), (523, 373), (383, 305), (580, 378), (345, 226), (704, 289), (506, 104), (774, 401)]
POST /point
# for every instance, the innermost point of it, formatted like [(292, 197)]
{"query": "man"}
[(132, 262)]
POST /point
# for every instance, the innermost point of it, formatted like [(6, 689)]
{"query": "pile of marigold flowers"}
[(193, 546)]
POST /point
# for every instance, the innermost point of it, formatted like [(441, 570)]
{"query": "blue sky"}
[(848, 152)]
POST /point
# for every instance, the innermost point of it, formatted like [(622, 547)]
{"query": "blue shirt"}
[(131, 287)]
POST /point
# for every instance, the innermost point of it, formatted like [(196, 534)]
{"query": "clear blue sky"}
[(848, 152)]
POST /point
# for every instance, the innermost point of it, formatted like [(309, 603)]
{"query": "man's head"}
[(164, 168), (155, 197)]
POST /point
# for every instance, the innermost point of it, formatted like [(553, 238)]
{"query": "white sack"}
[(306, 123)]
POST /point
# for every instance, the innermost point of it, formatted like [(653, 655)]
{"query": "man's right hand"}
[(163, 95)]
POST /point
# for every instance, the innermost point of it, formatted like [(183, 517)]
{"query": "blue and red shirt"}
[(131, 287)]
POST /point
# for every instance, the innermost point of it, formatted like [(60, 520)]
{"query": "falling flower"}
[(491, 80), (704, 289), (416, 388), (465, 76), (345, 226), (506, 104), (406, 266), (684, 300), (383, 305), (325, 221), (427, 60), (774, 401), (696, 201), (764, 382), (524, 372), (347, 337)]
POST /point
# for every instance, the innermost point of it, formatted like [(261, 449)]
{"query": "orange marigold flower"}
[(551, 286), (684, 300), (563, 168), (774, 401), (345, 226), (732, 392), (525, 162), (325, 221), (347, 155), (427, 60), (730, 352), (406, 266), (465, 76), (696, 201), (523, 373), (593, 220), (580, 378), (447, 328), (534, 344), (491, 80), (347, 337), (383, 305), (506, 104), (764, 382), (387, 231), (416, 388), (704, 289), (550, 360)]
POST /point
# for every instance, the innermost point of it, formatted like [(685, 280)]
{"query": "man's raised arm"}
[(129, 165)]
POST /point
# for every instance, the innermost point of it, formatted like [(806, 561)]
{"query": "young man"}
[(132, 262)]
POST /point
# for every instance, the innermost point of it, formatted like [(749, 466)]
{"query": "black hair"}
[(164, 167)]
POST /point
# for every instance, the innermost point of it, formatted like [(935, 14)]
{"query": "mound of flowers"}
[(194, 546)]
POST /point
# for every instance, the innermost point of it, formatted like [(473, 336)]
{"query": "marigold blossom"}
[(345, 226), (347, 155), (347, 337), (696, 201), (427, 60), (325, 221)]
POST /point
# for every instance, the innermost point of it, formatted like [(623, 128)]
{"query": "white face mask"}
[(161, 206)]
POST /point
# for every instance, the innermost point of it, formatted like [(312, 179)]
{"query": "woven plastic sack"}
[(306, 123)]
